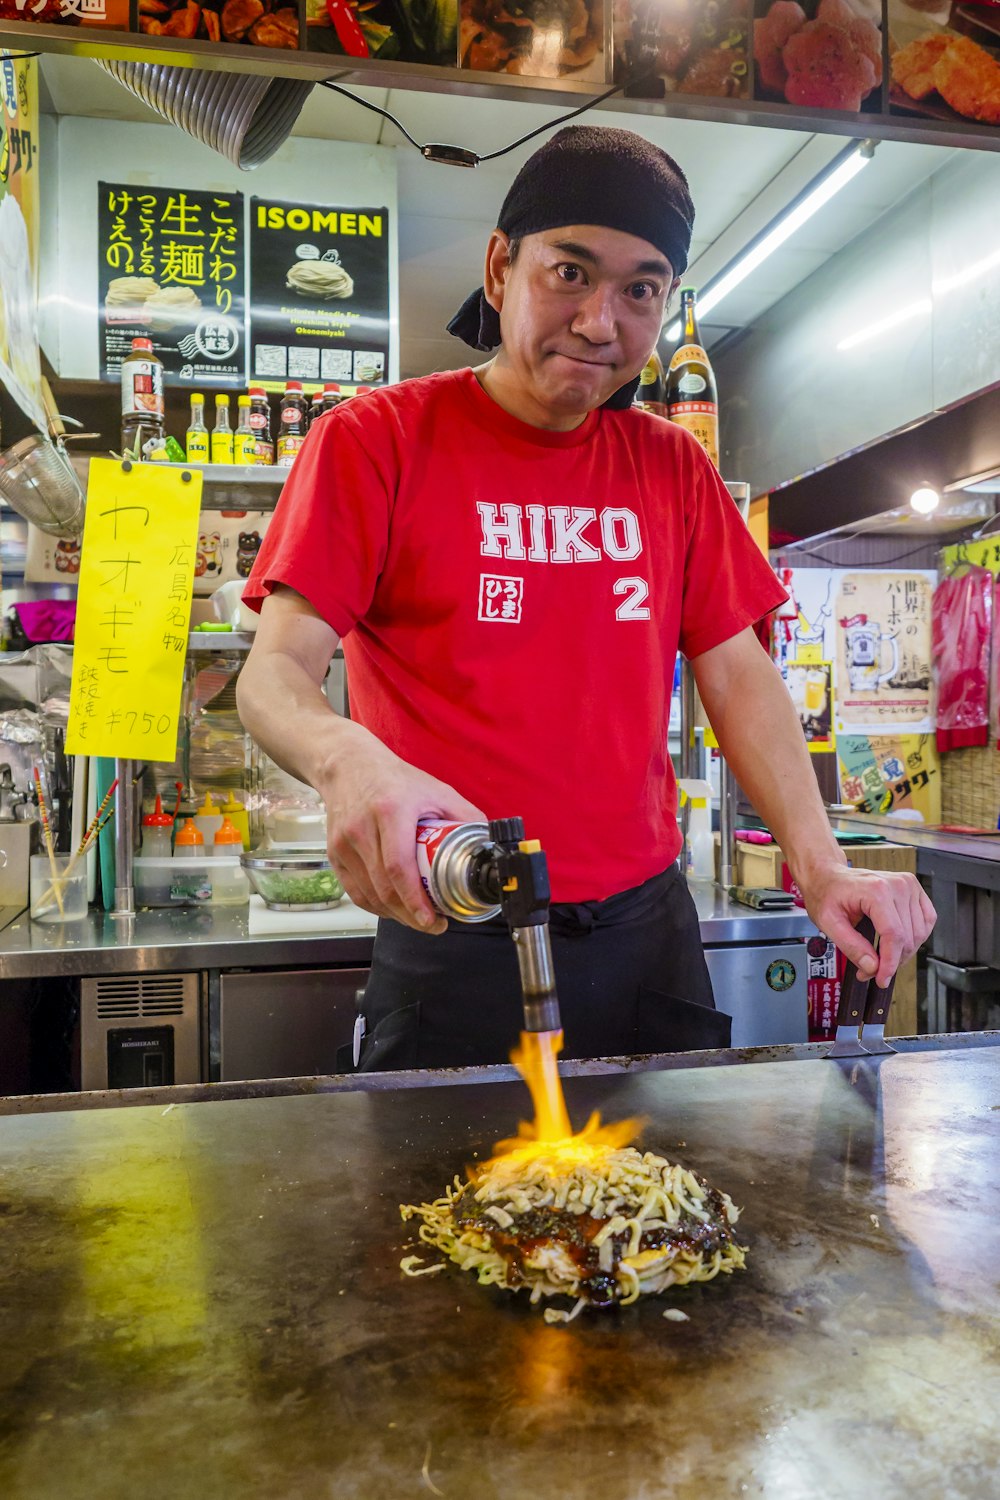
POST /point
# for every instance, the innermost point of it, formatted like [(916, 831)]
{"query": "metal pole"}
[(124, 839), (727, 825), (688, 766)]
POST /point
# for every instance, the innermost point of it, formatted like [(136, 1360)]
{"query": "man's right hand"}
[(374, 801)]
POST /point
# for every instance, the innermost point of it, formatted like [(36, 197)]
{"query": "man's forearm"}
[(289, 715), (761, 738)]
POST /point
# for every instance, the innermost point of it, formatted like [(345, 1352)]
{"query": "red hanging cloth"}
[(961, 622)]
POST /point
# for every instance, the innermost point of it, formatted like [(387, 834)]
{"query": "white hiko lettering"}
[(501, 538), (568, 545), (537, 548), (633, 606), (620, 533)]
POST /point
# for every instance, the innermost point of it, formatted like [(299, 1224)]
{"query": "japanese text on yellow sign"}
[(133, 611)]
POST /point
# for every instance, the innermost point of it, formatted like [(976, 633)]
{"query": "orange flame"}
[(551, 1133)]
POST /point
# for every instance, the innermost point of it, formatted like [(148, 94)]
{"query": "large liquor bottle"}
[(652, 392), (692, 398)]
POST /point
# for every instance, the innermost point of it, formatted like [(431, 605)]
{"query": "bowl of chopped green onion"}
[(293, 879)]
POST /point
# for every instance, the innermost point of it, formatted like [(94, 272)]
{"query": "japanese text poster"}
[(883, 672), (319, 293), (20, 366), (171, 268), (810, 684), (68, 12), (134, 610), (884, 773)]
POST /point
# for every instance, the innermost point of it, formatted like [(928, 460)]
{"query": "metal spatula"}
[(863, 1010)]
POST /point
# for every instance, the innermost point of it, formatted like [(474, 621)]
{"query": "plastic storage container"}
[(189, 881)]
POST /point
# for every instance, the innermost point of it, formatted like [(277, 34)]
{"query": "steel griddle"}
[(204, 1300)]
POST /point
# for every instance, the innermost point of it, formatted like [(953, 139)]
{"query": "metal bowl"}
[(293, 879)]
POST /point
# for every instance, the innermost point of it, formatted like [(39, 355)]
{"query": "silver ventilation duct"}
[(243, 116)]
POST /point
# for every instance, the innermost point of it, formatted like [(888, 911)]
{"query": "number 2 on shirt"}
[(633, 605)]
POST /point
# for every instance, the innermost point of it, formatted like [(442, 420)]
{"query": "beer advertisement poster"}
[(890, 773), (319, 294), (172, 269), (883, 663), (810, 682)]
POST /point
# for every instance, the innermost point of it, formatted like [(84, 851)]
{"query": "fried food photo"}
[(965, 75), (602, 1225), (260, 23), (832, 60), (541, 38), (693, 46)]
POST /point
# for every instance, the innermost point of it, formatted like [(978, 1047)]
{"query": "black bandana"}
[(590, 174)]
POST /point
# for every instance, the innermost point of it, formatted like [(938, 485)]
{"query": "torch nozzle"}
[(523, 880)]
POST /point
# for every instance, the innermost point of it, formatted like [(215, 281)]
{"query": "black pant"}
[(630, 974)]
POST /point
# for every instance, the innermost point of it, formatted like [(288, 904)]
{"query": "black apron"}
[(630, 974)]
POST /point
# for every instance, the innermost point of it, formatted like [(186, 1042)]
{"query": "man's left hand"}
[(838, 897)]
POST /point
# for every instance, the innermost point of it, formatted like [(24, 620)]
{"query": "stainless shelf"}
[(237, 487), (220, 640)]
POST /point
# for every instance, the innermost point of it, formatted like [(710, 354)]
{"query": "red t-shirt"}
[(511, 601)]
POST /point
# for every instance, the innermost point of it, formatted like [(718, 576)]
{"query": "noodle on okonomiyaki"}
[(603, 1224)]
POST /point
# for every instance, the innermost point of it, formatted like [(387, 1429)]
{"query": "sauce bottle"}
[(222, 435), (332, 395), (294, 420), (234, 810), (692, 396), (244, 439), (142, 398), (208, 818), (189, 842), (197, 433), (157, 827), (260, 421), (230, 886), (316, 407)]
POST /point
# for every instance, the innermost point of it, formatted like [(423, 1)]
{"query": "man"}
[(512, 556)]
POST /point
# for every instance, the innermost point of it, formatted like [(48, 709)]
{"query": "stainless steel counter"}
[(218, 938), (900, 831), (206, 1300)]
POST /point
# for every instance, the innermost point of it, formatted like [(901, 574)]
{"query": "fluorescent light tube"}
[(788, 222), (922, 308)]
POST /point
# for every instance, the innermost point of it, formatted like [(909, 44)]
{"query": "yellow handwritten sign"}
[(133, 610)]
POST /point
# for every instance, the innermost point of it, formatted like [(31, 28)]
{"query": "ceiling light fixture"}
[(842, 170), (985, 482), (925, 499)]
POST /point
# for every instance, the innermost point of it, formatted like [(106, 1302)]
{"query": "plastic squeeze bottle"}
[(230, 886), (700, 843), (234, 810), (208, 818), (157, 827), (189, 842)]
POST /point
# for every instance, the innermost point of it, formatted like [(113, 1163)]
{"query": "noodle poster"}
[(171, 268), (319, 294)]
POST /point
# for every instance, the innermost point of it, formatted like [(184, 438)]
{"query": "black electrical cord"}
[(461, 156)]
